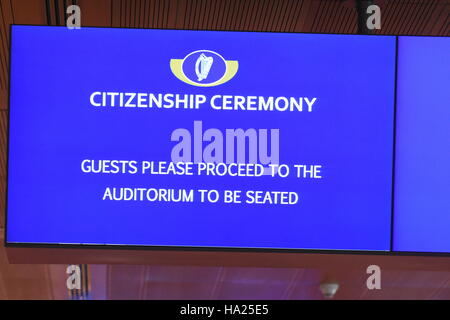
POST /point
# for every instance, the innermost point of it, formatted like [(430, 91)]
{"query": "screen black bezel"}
[(389, 252)]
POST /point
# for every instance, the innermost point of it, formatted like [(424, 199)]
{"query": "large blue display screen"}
[(422, 175), (203, 139)]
